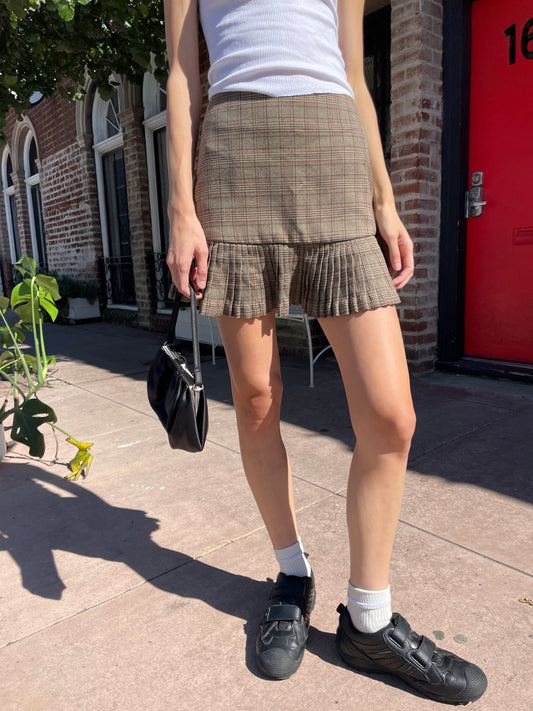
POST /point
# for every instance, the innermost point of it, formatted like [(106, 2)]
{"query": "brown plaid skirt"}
[(284, 194)]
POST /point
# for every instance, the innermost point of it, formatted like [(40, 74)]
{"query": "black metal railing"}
[(161, 279), (118, 279)]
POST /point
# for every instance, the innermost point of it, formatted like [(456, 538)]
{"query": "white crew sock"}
[(292, 560), (370, 610)]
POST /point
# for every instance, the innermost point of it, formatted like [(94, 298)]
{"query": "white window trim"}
[(30, 181), (8, 192), (152, 125), (100, 149)]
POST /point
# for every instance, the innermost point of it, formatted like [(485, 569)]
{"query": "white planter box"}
[(207, 330), (79, 309), (3, 446)]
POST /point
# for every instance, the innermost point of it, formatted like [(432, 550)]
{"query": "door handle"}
[(475, 197)]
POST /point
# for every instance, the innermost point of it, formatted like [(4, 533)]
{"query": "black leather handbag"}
[(175, 392)]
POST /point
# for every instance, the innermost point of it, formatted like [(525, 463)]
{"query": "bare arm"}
[(187, 240), (389, 224)]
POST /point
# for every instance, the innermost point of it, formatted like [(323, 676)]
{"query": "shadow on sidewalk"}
[(467, 431), (36, 520)]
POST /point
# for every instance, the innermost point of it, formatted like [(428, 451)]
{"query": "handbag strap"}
[(171, 332)]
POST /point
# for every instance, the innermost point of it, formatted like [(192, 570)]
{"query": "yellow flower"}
[(80, 464)]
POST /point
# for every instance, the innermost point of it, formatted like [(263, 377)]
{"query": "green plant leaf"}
[(6, 355), (5, 337), (24, 311), (10, 80), (31, 362), (26, 422), (26, 265), (49, 285), (8, 361), (15, 298), (49, 306), (66, 11), (19, 331), (4, 303)]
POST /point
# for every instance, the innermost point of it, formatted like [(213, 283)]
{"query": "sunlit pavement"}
[(142, 586)]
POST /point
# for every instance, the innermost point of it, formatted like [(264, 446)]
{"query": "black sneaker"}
[(284, 628), (396, 649)]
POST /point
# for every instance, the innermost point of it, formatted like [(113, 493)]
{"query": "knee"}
[(394, 429), (258, 405)]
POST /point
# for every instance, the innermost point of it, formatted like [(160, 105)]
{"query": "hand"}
[(399, 245), (187, 243)]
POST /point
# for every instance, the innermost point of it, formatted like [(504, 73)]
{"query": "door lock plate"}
[(475, 197)]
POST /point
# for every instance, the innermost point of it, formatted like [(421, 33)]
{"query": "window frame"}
[(155, 120), (100, 148), (9, 192), (30, 182)]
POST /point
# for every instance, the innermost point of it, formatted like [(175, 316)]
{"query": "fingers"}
[(395, 259), (200, 277), (183, 272), (407, 266), (198, 274), (400, 256), (179, 265), (187, 255)]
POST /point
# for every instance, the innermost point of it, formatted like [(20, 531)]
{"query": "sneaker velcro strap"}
[(283, 613), (424, 652), (401, 631)]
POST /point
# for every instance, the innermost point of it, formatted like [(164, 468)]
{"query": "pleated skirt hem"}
[(330, 279)]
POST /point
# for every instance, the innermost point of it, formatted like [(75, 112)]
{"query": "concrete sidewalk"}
[(142, 587)]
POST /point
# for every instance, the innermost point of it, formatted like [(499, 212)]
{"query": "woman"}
[(290, 188)]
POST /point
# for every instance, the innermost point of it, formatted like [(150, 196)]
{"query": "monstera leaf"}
[(25, 370), (26, 422)]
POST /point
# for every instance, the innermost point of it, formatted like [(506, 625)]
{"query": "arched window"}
[(8, 188), (155, 104), (33, 194), (113, 200)]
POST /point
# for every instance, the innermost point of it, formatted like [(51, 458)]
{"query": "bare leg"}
[(370, 353), (252, 351), (371, 357)]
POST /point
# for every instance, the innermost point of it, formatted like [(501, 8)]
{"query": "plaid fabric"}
[(284, 194), (331, 279), (283, 169)]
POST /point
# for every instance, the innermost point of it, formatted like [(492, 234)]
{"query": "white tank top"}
[(274, 47)]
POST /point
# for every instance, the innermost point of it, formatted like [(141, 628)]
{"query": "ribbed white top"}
[(274, 47)]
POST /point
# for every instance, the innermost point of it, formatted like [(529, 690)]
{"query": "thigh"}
[(369, 349), (252, 351)]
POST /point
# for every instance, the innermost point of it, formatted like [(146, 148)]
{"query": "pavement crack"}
[(453, 440), (110, 399), (466, 548), (458, 545)]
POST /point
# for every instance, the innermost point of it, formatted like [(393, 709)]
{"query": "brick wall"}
[(68, 189), (416, 128), (70, 211), (68, 180)]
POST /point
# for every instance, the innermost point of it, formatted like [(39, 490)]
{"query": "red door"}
[(499, 267)]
